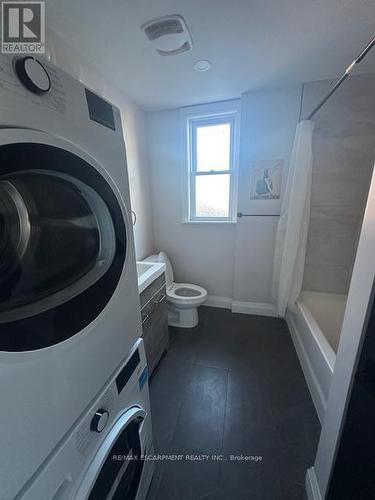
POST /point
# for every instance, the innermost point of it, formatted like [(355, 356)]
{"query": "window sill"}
[(226, 222)]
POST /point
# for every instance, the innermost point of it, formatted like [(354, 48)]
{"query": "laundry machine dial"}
[(33, 75), (99, 420)]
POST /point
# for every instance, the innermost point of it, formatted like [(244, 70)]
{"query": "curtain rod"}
[(349, 69)]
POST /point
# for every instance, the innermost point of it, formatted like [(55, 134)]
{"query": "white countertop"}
[(147, 272)]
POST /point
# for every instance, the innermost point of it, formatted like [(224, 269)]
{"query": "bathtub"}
[(315, 327)]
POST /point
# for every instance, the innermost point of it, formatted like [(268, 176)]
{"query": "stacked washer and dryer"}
[(75, 416)]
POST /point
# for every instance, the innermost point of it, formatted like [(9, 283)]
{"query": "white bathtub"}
[(315, 328)]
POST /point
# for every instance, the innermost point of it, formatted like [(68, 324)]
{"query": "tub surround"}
[(344, 153), (315, 353), (315, 327), (327, 310), (360, 301)]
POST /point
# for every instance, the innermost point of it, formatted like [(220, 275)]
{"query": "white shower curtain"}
[(291, 237)]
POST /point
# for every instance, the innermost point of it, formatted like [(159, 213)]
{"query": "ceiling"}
[(252, 44)]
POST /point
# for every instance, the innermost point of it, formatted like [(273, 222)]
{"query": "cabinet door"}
[(160, 332), (155, 321), (147, 314)]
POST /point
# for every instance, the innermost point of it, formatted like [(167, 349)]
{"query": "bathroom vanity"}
[(154, 311)]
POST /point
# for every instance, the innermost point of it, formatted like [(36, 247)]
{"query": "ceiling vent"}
[(169, 35)]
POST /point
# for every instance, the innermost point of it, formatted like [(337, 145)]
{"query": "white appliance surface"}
[(70, 473), (46, 391)]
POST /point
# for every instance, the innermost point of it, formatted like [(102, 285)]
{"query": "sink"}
[(147, 272), (143, 267)]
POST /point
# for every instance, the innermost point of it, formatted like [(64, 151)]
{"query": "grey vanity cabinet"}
[(154, 309)]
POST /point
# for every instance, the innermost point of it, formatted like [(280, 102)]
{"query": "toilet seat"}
[(183, 298), (186, 294)]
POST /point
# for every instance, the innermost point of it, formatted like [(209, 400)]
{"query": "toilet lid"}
[(169, 278)]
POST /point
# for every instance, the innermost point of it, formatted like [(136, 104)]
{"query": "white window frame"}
[(211, 114)]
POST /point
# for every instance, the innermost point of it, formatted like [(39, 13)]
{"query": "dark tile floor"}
[(232, 386)]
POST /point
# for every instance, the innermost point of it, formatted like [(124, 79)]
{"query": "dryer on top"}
[(69, 304)]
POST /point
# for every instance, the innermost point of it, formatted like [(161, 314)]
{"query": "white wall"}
[(268, 123), (230, 260), (133, 120), (200, 253)]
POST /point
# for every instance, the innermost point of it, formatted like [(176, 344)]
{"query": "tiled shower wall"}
[(344, 153)]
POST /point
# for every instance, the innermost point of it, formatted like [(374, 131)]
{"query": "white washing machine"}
[(109, 455), (69, 304)]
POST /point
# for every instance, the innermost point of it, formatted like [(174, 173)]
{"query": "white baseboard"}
[(312, 382), (258, 308), (217, 301), (312, 486)]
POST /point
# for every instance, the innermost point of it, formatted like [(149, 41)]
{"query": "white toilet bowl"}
[(183, 298)]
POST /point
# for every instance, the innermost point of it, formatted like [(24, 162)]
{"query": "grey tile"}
[(292, 491), (189, 480), (344, 154), (153, 490), (249, 424), (200, 423), (237, 341), (170, 376), (298, 437), (337, 220), (167, 389), (292, 469), (249, 480), (184, 342), (326, 278), (249, 432), (215, 353), (351, 111), (255, 403), (248, 391), (332, 249)]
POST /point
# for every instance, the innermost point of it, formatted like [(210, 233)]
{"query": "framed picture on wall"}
[(266, 180)]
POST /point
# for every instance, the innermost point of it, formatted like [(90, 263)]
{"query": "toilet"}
[(183, 298)]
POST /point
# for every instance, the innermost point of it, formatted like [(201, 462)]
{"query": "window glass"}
[(212, 157), (213, 147), (212, 195)]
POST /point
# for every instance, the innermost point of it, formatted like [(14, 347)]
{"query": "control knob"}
[(99, 420), (33, 75)]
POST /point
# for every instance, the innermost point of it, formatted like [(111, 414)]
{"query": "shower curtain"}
[(291, 236)]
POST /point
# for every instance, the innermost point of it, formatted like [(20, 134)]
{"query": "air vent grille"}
[(184, 48), (169, 35), (164, 27)]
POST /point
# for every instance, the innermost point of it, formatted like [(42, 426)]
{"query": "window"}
[(212, 165)]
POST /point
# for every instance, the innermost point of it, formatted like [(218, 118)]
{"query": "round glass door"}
[(121, 472), (62, 239), (57, 238)]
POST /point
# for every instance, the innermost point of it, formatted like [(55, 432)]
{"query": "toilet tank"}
[(163, 257)]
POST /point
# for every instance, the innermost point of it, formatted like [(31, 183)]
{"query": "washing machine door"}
[(116, 471), (62, 242)]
